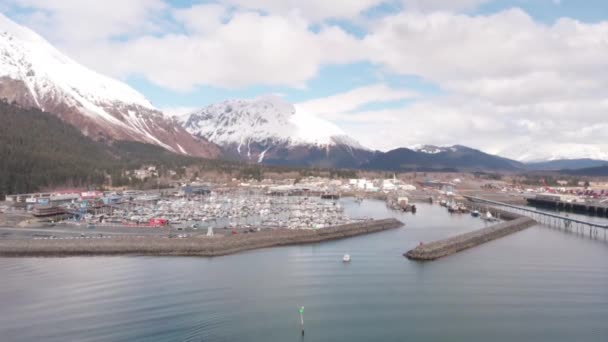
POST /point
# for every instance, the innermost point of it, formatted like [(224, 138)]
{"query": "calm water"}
[(537, 285)]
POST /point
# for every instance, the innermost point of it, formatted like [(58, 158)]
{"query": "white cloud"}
[(247, 49), (179, 113), (73, 22), (202, 18), (525, 133), (351, 100), (541, 83), (314, 10), (443, 5)]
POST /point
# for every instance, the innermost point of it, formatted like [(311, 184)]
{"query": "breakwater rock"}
[(442, 248), (193, 246)]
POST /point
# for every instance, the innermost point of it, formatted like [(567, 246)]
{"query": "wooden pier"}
[(553, 220), (595, 209)]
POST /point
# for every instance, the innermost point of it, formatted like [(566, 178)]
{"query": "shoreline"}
[(194, 246)]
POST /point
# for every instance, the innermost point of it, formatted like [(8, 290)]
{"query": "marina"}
[(151, 299), (233, 210)]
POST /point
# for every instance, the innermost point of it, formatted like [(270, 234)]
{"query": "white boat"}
[(346, 258), (489, 217)]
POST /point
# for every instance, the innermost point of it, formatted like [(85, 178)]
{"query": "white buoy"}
[(210, 231)]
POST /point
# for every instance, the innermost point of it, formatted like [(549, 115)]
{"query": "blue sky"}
[(334, 79), (330, 79), (492, 74)]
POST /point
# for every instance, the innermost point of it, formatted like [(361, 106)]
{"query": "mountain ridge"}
[(432, 158), (270, 130), (566, 164), (34, 74)]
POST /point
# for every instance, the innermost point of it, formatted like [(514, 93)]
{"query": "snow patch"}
[(52, 77), (26, 56), (261, 156)]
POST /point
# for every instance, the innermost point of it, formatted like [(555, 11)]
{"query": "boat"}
[(346, 258), (488, 217), (475, 213), (463, 209)]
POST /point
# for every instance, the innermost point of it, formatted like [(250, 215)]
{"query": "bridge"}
[(567, 223)]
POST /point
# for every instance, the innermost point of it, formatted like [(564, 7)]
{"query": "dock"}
[(595, 209), (445, 247), (565, 222)]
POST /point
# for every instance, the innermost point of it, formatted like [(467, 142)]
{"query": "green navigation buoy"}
[(302, 319)]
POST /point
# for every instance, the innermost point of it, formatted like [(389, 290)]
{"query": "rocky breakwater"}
[(442, 248), (192, 246)]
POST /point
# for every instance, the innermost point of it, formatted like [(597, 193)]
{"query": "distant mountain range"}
[(428, 158), (597, 171), (267, 130), (565, 164)]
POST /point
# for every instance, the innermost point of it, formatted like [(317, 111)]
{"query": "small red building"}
[(159, 222)]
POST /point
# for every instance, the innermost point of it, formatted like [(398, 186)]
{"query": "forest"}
[(40, 151)]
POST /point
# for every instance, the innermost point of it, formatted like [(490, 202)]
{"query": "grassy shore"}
[(193, 246)]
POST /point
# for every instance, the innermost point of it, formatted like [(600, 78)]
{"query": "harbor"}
[(218, 219), (192, 298), (234, 210)]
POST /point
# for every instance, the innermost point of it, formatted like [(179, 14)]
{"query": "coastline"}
[(195, 246)]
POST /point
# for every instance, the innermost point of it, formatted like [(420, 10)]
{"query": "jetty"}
[(441, 248), (190, 246)]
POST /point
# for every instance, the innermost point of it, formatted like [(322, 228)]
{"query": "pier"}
[(567, 223), (595, 209)]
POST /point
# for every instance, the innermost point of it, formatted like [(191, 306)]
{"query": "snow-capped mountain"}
[(432, 149), (35, 74), (268, 129), (429, 157)]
